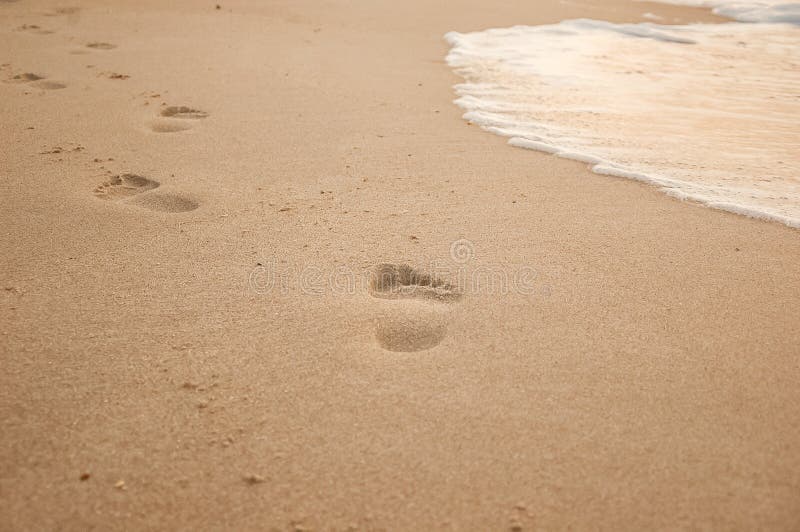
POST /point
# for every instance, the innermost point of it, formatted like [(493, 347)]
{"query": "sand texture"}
[(257, 273)]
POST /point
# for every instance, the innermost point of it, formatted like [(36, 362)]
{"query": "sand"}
[(189, 339)]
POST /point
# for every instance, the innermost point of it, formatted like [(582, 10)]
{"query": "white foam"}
[(705, 112), (760, 11)]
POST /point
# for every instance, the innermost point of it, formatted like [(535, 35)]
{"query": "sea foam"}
[(707, 112), (761, 11)]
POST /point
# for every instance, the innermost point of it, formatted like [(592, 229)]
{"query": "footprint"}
[(72, 14), (27, 77), (165, 202), (35, 80), (123, 186), (115, 75), (161, 125), (418, 317), (65, 11), (176, 118), (101, 45), (183, 112), (34, 28), (48, 85), (130, 188)]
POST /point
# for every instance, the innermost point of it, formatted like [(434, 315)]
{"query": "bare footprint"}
[(123, 186), (418, 320), (130, 189), (48, 85), (183, 112), (27, 77), (166, 125), (101, 46), (72, 14), (176, 118), (64, 11), (165, 202), (36, 80), (34, 28)]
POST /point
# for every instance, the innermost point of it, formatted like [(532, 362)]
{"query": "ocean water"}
[(706, 112)]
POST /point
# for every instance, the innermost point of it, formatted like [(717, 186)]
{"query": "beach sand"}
[(175, 354)]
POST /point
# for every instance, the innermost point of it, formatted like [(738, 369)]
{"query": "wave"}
[(707, 112), (765, 11)]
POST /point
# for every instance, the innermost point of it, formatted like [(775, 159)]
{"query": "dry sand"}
[(647, 377)]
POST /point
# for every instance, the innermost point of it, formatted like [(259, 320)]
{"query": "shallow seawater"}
[(708, 112)]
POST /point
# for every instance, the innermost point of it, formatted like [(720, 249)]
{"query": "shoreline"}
[(508, 73)]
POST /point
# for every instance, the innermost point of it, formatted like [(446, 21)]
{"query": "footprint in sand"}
[(165, 202), (64, 11), (176, 118), (132, 187), (27, 77), (36, 80), (71, 14), (34, 28), (419, 310), (168, 126), (101, 46), (48, 85), (93, 46), (123, 186), (183, 112)]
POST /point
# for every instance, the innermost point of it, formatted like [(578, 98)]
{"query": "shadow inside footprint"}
[(183, 112), (101, 45), (123, 186), (34, 28), (26, 77), (393, 281), (35, 80), (411, 329), (48, 85), (165, 202), (168, 125), (66, 11)]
